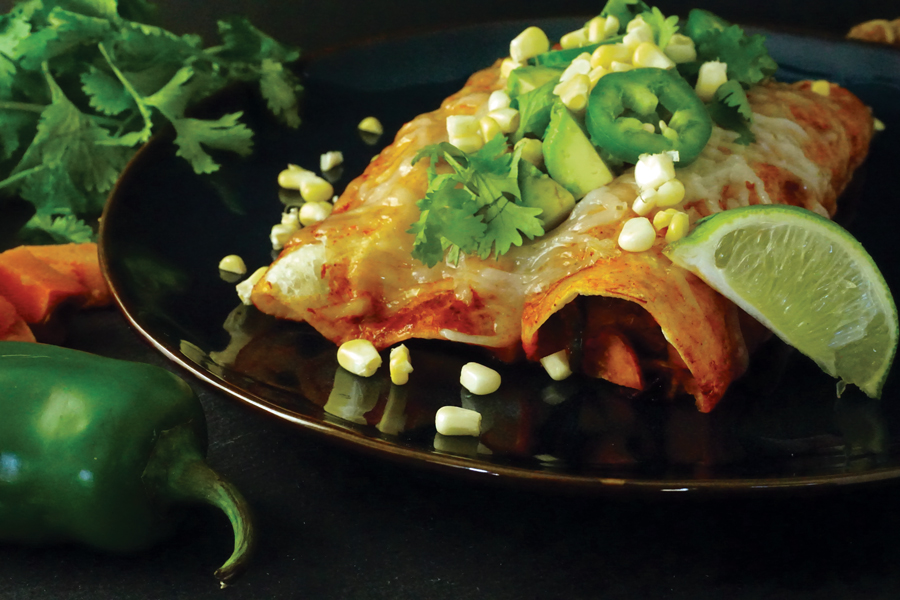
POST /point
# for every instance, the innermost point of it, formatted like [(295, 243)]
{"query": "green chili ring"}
[(622, 102)]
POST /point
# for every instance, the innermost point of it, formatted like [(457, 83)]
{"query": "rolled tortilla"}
[(353, 276)]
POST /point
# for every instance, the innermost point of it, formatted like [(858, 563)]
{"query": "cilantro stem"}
[(138, 99), (21, 175), (24, 106)]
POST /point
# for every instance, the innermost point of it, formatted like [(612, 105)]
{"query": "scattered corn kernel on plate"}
[(167, 230)]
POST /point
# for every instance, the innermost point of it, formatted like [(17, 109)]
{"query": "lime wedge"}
[(806, 279)]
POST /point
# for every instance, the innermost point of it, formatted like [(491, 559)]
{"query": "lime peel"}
[(805, 278)]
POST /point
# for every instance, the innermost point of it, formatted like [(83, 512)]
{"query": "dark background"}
[(316, 25), (336, 524)]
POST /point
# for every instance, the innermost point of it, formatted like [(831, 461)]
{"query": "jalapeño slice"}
[(622, 103)]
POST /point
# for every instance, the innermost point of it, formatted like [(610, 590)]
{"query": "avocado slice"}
[(540, 191), (525, 79), (569, 156)]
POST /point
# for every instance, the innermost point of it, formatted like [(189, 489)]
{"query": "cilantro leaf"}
[(51, 190), (493, 172), (715, 39), (13, 29), (443, 150), (83, 82), (68, 139), (66, 32), (172, 99), (225, 133), (474, 209), (105, 92), (104, 9), (243, 41), (13, 127), (280, 88), (731, 110), (45, 228), (534, 111), (663, 28), (506, 221), (150, 54), (448, 219)]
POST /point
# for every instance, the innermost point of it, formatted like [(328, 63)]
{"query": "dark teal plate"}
[(780, 428)]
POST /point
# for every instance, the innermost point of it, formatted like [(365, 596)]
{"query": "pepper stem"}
[(178, 472)]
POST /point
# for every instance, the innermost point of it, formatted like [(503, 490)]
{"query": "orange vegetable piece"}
[(611, 356), (34, 287), (81, 262), (12, 327)]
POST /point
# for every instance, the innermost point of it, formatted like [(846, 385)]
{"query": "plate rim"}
[(454, 464)]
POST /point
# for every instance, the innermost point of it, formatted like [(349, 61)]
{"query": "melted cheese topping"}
[(353, 275)]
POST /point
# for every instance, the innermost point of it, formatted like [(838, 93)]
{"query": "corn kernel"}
[(506, 118), (599, 28), (532, 150), (678, 227), (507, 66), (330, 160), (291, 217), (245, 287), (498, 99), (455, 420), (489, 128), (359, 357), (581, 65), (574, 39), (280, 234), (619, 67), (557, 365), (595, 30), (639, 31), (712, 75), (644, 203), (315, 189), (314, 212), (371, 125), (293, 176), (606, 54), (528, 44), (681, 49), (233, 264), (595, 75), (400, 365), (468, 143), (478, 379), (821, 87), (637, 235), (648, 54), (879, 125), (670, 193), (663, 218), (636, 23), (462, 125), (574, 92), (653, 170)]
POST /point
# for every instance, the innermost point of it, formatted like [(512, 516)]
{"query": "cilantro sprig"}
[(748, 63), (475, 208), (84, 82)]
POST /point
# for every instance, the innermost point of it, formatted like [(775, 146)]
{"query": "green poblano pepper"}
[(99, 451)]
